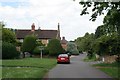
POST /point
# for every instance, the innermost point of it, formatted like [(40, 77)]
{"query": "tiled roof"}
[(46, 34), (41, 34)]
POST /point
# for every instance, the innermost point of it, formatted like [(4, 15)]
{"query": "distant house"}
[(64, 43), (43, 35)]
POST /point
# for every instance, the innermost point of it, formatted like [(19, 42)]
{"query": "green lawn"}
[(111, 69), (27, 68)]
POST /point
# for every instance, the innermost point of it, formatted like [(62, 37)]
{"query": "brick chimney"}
[(58, 26), (58, 32), (63, 41), (33, 27), (63, 38)]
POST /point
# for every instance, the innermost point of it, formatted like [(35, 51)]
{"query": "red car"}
[(63, 58)]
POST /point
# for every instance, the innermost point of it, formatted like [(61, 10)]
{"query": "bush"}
[(9, 51), (8, 36), (18, 43), (36, 51), (75, 52), (71, 47), (29, 43), (55, 47), (45, 51)]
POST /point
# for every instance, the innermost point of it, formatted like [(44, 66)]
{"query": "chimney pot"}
[(33, 27), (63, 38)]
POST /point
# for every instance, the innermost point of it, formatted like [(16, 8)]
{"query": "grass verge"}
[(27, 68), (111, 69), (87, 59)]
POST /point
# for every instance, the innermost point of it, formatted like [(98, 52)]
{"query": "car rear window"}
[(63, 55)]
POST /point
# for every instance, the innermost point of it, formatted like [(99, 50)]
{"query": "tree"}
[(110, 9), (107, 45), (29, 44), (99, 8), (79, 44), (111, 21), (100, 31), (72, 48), (54, 47), (37, 50), (39, 43), (85, 43), (8, 36), (18, 43), (112, 18)]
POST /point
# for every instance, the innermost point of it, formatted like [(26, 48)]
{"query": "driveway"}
[(76, 69)]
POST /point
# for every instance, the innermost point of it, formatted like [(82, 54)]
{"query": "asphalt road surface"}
[(76, 69)]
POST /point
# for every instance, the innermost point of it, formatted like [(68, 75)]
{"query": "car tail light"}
[(58, 58)]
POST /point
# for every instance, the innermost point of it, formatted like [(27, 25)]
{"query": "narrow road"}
[(76, 69)]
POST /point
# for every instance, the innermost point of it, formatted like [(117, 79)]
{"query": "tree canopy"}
[(29, 43), (72, 48), (107, 45), (54, 47), (111, 10), (99, 8), (8, 36), (107, 36), (85, 43)]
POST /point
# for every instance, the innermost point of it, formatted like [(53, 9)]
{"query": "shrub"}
[(8, 36), (18, 43), (74, 52), (71, 47), (9, 51), (55, 47), (45, 51), (36, 51), (29, 43)]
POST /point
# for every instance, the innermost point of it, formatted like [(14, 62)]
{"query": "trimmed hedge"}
[(9, 51)]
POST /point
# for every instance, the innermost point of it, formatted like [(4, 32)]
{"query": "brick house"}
[(43, 35)]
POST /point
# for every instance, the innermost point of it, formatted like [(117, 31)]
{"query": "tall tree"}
[(99, 8), (107, 45), (72, 48), (110, 9), (85, 43), (111, 20)]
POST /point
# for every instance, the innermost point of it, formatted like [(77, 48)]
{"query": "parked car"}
[(63, 58)]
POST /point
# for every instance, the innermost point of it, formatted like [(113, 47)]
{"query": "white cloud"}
[(14, 0), (46, 14)]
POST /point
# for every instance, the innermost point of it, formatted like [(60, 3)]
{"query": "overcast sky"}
[(46, 14)]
